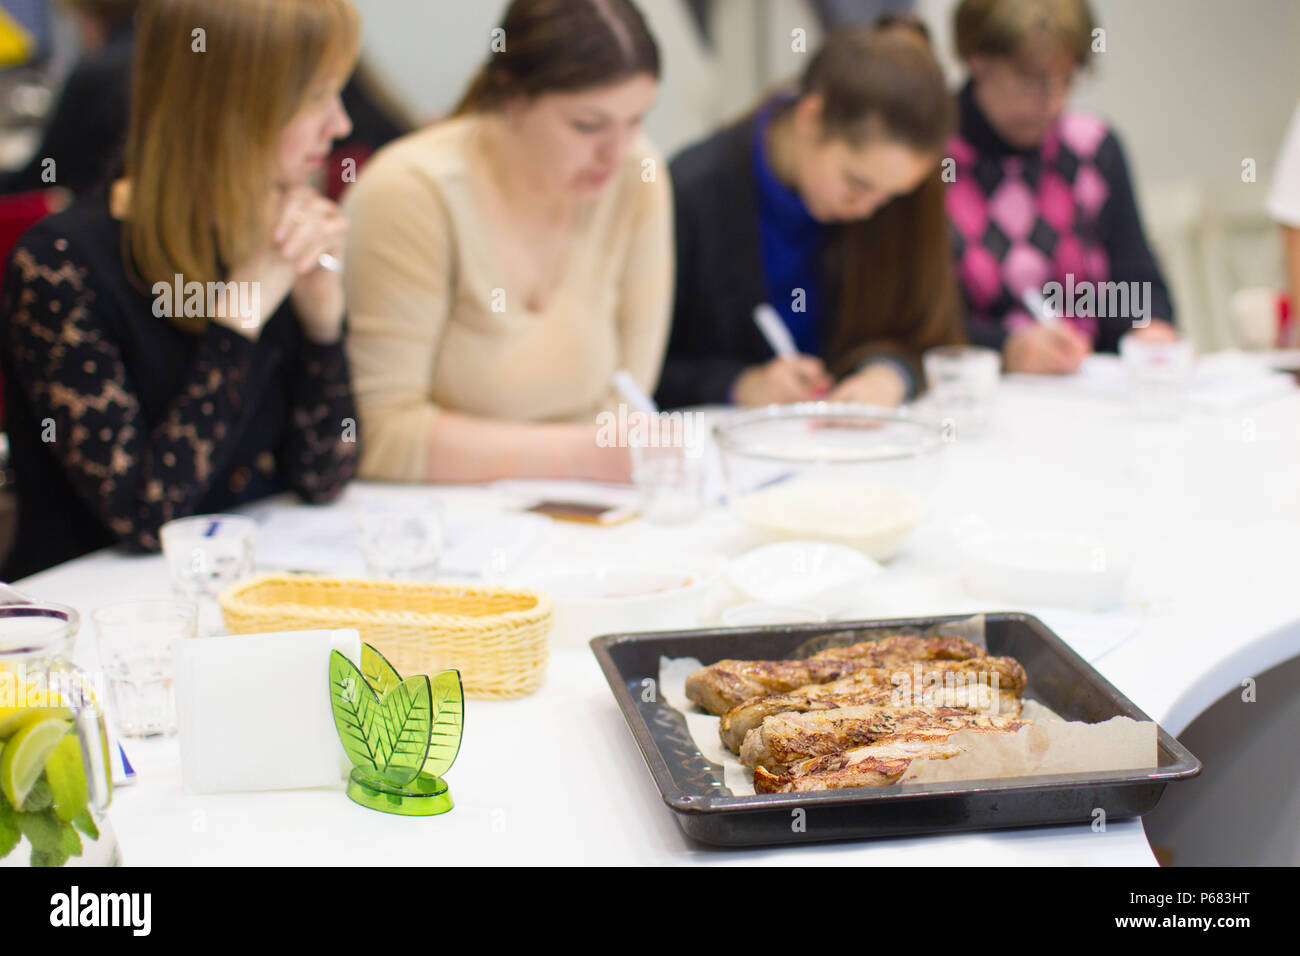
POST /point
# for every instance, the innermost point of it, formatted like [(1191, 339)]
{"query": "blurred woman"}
[(1043, 196), (505, 263), (175, 348), (83, 137), (826, 203)]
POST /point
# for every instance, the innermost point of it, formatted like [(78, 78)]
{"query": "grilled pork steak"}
[(719, 687), (875, 765), (784, 739), (955, 683)]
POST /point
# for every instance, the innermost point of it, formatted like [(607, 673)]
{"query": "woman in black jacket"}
[(175, 348), (827, 204)]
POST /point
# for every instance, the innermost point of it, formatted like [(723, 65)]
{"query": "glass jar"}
[(55, 778)]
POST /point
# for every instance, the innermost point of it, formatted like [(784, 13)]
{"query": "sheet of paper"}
[(324, 540), (1222, 381)]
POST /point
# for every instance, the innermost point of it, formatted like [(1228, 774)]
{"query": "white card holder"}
[(254, 712)]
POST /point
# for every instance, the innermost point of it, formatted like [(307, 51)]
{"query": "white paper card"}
[(254, 710)]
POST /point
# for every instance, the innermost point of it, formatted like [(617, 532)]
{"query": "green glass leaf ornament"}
[(408, 717), (380, 675), (448, 722), (388, 736), (358, 717)]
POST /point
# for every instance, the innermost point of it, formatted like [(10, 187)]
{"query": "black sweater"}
[(120, 421), (719, 270)]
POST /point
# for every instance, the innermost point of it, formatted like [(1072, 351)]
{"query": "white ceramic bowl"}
[(812, 574), (589, 603), (1071, 569)]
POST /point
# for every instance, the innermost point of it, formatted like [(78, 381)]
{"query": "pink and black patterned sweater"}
[(1063, 212)]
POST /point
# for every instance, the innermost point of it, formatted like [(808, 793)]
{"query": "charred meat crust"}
[(721, 686)]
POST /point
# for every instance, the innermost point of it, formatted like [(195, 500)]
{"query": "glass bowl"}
[(850, 474)]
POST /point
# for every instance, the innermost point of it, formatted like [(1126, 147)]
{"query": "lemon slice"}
[(66, 775), (24, 757), (13, 719)]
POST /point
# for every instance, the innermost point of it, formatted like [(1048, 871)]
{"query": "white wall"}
[(428, 49), (1193, 86)]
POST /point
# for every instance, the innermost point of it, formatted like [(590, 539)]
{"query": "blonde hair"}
[(215, 84), (1008, 28)]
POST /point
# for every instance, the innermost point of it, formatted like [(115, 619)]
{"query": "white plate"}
[(1070, 569), (813, 574), (589, 603)]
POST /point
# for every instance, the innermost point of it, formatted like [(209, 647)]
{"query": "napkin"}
[(254, 710)]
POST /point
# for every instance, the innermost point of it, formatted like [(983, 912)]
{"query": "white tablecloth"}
[(1210, 504)]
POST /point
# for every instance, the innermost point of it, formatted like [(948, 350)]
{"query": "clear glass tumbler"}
[(401, 541), (206, 554), (963, 380), (137, 653)]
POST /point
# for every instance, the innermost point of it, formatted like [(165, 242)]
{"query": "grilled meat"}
[(719, 687), (875, 765), (952, 683), (785, 739), (886, 651)]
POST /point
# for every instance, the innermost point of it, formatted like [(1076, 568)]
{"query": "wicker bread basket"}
[(497, 638)]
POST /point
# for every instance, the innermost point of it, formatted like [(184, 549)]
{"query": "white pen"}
[(633, 393), (774, 330), (329, 262), (1038, 307)]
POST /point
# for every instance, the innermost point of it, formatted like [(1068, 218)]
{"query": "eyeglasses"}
[(1039, 84)]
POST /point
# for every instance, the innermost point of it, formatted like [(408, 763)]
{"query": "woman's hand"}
[(780, 381), (310, 227), (1046, 349), (877, 384), (306, 226)]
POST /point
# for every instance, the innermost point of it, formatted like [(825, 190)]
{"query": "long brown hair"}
[(893, 271), (560, 46), (207, 111)]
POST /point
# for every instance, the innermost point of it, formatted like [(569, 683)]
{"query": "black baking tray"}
[(693, 787)]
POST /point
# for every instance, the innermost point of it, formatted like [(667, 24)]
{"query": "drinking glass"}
[(1160, 372), (669, 482), (401, 542), (963, 380), (205, 554), (137, 642)]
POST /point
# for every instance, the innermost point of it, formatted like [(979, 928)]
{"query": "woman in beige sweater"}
[(503, 264)]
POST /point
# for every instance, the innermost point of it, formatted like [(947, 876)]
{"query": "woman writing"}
[(1042, 195), (827, 204), (504, 264), (128, 407)]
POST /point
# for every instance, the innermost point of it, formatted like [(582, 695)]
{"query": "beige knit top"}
[(432, 323)]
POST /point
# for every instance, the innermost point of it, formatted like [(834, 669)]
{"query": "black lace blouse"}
[(120, 421)]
